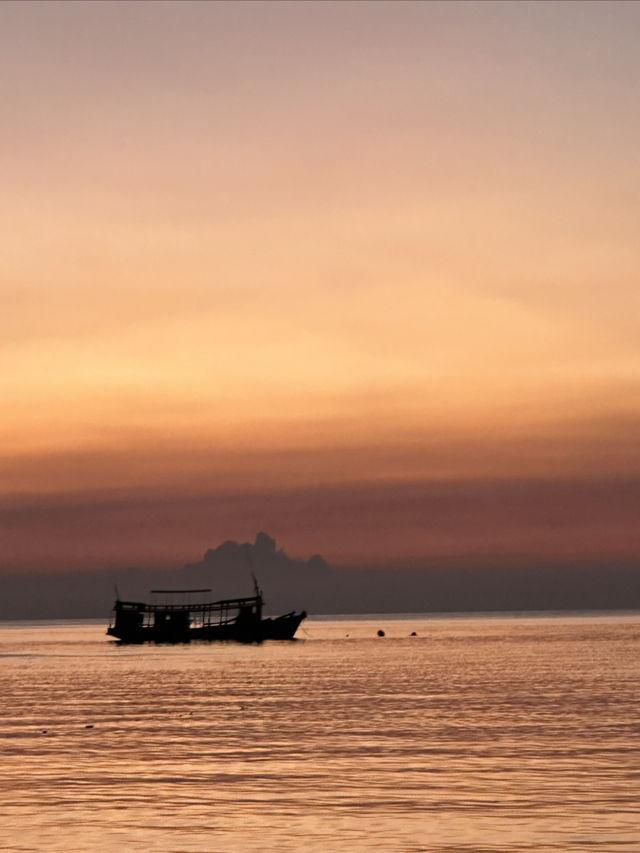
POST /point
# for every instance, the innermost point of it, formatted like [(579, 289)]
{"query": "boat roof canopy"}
[(174, 591)]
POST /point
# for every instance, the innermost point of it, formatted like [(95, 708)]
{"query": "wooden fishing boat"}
[(181, 621)]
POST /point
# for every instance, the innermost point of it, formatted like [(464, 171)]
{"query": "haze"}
[(364, 275)]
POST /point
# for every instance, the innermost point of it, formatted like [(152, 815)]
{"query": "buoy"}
[(380, 633), (413, 634)]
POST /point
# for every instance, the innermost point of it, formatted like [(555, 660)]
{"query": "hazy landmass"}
[(311, 583)]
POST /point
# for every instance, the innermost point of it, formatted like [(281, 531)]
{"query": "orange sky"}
[(348, 257)]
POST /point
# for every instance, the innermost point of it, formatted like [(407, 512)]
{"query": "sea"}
[(489, 734)]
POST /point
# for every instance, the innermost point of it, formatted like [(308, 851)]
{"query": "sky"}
[(363, 275)]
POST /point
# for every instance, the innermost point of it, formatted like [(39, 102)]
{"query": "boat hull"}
[(282, 627)]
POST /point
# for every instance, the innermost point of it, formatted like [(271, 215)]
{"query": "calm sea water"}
[(479, 734)]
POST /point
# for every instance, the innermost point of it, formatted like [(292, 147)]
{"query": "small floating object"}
[(89, 726), (380, 632), (413, 634)]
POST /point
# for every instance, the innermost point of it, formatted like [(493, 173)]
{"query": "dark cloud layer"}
[(293, 583), (382, 524)]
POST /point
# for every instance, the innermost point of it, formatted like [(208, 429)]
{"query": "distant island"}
[(312, 584)]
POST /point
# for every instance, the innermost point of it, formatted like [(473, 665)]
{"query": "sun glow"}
[(412, 262)]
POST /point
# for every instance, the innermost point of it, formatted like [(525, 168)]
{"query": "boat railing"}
[(202, 614)]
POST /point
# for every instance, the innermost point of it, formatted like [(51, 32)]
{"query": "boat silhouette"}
[(181, 621)]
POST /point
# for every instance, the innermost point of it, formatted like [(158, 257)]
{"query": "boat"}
[(181, 621)]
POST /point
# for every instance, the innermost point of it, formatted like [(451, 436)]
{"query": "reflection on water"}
[(475, 735)]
